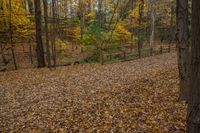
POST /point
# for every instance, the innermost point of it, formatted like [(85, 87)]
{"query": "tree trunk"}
[(183, 47), (38, 23), (11, 37), (171, 24), (193, 117), (141, 8), (132, 27), (54, 28), (30, 52), (47, 32), (30, 7), (101, 26), (152, 27)]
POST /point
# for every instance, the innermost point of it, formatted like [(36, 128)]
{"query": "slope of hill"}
[(136, 96)]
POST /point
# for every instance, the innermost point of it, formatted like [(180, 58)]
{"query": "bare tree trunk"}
[(141, 8), (183, 47), (82, 17), (47, 32), (132, 27), (5, 61), (11, 38), (193, 117), (30, 52), (171, 24), (152, 27), (89, 6), (38, 23), (30, 7), (100, 24), (54, 27)]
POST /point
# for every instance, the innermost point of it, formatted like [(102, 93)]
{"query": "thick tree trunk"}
[(47, 32), (183, 47), (38, 23), (193, 119)]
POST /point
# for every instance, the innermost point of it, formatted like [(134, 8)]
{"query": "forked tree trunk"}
[(193, 119), (183, 47)]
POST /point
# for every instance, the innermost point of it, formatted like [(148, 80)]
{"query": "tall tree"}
[(38, 23), (193, 117), (47, 32), (171, 27), (30, 6), (132, 26), (54, 30), (141, 11), (152, 25), (100, 22), (11, 35), (82, 16), (183, 47)]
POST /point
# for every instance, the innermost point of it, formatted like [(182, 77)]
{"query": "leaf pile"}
[(137, 96)]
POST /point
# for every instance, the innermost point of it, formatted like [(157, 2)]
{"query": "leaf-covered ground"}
[(137, 96)]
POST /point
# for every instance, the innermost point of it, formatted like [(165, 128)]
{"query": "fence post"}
[(151, 51), (169, 49), (139, 52), (124, 52), (161, 49)]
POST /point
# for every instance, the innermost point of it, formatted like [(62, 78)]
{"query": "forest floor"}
[(136, 96)]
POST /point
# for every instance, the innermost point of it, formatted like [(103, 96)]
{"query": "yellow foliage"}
[(19, 19), (135, 13), (122, 33)]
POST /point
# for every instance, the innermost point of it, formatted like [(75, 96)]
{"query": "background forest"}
[(79, 31), (124, 95)]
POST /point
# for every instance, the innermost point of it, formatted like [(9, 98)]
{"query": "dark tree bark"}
[(11, 37), (30, 7), (132, 26), (82, 16), (171, 31), (183, 47), (193, 117), (47, 32), (152, 25), (141, 9), (53, 32), (30, 52), (38, 23), (99, 17)]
